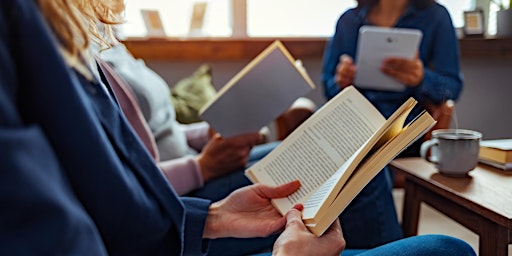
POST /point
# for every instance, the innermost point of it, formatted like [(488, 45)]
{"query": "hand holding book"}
[(335, 153), (258, 94)]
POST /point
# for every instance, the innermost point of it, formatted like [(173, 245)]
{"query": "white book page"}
[(316, 150), (392, 127), (314, 202), (371, 166), (503, 144)]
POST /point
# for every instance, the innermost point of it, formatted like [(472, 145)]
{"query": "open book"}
[(335, 153), (258, 94)]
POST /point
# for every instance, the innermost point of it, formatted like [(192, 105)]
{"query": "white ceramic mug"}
[(453, 151)]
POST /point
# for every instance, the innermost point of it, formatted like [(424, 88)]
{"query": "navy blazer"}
[(74, 178)]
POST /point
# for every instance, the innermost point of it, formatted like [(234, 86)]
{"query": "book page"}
[(316, 206), (502, 144), (502, 166), (320, 196), (370, 167), (316, 149), (258, 94)]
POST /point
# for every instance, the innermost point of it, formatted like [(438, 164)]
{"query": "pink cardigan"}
[(183, 173)]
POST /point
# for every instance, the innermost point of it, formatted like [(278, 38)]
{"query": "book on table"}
[(259, 93), (497, 153), (335, 153)]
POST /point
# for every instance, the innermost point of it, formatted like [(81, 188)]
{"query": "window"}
[(176, 17), (273, 18), (493, 8), (264, 18), (456, 9)]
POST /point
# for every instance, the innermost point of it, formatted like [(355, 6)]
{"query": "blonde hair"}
[(74, 21)]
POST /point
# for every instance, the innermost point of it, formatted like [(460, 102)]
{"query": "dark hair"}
[(417, 3)]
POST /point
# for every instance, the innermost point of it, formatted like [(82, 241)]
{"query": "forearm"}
[(335, 48), (196, 134), (330, 62), (183, 173), (331, 88)]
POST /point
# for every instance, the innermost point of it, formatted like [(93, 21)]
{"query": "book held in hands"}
[(259, 93), (335, 153)]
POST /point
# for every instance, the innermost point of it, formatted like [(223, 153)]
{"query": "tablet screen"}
[(378, 43)]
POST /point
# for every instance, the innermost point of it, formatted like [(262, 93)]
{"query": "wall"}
[(485, 102), (484, 105)]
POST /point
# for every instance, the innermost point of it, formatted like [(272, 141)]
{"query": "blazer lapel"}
[(132, 152)]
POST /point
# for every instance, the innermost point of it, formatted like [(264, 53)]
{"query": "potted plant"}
[(503, 18), (501, 4)]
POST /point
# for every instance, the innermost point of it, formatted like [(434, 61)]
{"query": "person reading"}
[(432, 77), (77, 181)]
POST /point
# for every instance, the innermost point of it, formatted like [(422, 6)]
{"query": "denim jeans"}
[(424, 245)]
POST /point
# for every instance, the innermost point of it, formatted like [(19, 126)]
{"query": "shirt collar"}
[(411, 10)]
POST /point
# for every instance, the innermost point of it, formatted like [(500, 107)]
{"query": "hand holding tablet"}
[(375, 44)]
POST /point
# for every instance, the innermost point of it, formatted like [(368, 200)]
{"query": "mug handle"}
[(426, 149)]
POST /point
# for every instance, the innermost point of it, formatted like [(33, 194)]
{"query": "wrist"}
[(212, 227), (203, 167)]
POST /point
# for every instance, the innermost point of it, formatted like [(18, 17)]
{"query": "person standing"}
[(433, 76)]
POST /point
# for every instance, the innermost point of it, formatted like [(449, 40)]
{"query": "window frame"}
[(240, 24), (242, 47)]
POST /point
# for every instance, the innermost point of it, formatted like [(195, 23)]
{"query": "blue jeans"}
[(424, 245)]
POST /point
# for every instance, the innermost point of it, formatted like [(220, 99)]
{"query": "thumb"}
[(294, 219), (346, 58), (280, 191)]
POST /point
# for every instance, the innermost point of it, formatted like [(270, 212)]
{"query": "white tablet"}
[(378, 43)]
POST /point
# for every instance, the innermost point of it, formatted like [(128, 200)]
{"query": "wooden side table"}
[(481, 202)]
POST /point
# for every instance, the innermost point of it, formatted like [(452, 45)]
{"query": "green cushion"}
[(192, 93)]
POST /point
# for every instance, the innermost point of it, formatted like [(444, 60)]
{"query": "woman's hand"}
[(297, 240), (221, 156), (248, 212), (408, 72), (345, 71)]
